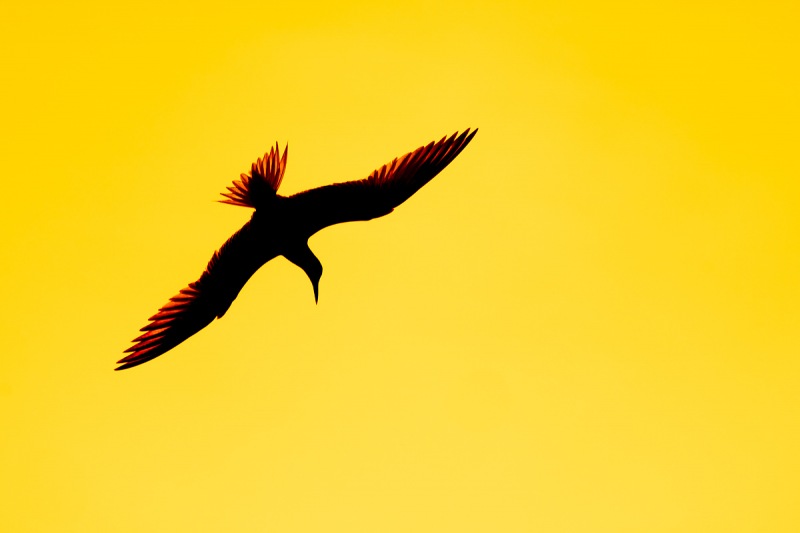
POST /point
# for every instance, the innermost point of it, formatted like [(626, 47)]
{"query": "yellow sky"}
[(587, 323)]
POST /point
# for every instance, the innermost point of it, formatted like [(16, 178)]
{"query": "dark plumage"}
[(282, 225)]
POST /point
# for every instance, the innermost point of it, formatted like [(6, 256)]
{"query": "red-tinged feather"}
[(138, 358), (168, 314), (172, 304), (140, 346), (146, 344), (150, 335), (136, 355), (161, 316), (158, 324)]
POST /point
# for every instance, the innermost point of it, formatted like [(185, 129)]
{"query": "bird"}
[(281, 226)]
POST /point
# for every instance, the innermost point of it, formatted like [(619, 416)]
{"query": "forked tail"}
[(261, 184)]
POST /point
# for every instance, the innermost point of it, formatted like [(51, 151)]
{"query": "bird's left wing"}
[(384, 189), (195, 306)]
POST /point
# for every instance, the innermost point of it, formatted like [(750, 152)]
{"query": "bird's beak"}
[(316, 293)]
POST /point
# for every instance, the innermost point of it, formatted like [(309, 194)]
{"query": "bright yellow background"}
[(589, 322)]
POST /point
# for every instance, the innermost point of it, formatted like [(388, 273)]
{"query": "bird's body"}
[(282, 225)]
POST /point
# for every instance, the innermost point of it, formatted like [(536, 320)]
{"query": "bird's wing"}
[(195, 306), (384, 189), (261, 184)]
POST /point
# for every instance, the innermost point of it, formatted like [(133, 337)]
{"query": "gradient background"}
[(589, 322)]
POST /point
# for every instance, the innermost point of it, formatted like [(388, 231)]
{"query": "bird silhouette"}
[(282, 225)]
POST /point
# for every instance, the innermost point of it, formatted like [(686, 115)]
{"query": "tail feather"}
[(262, 183)]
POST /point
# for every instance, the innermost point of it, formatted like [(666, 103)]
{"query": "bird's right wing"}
[(382, 191), (195, 306)]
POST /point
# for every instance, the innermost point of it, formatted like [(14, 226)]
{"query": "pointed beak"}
[(316, 293)]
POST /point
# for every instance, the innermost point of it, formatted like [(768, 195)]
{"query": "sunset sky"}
[(588, 322)]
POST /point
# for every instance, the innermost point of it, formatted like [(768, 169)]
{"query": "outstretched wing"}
[(382, 191), (195, 306)]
